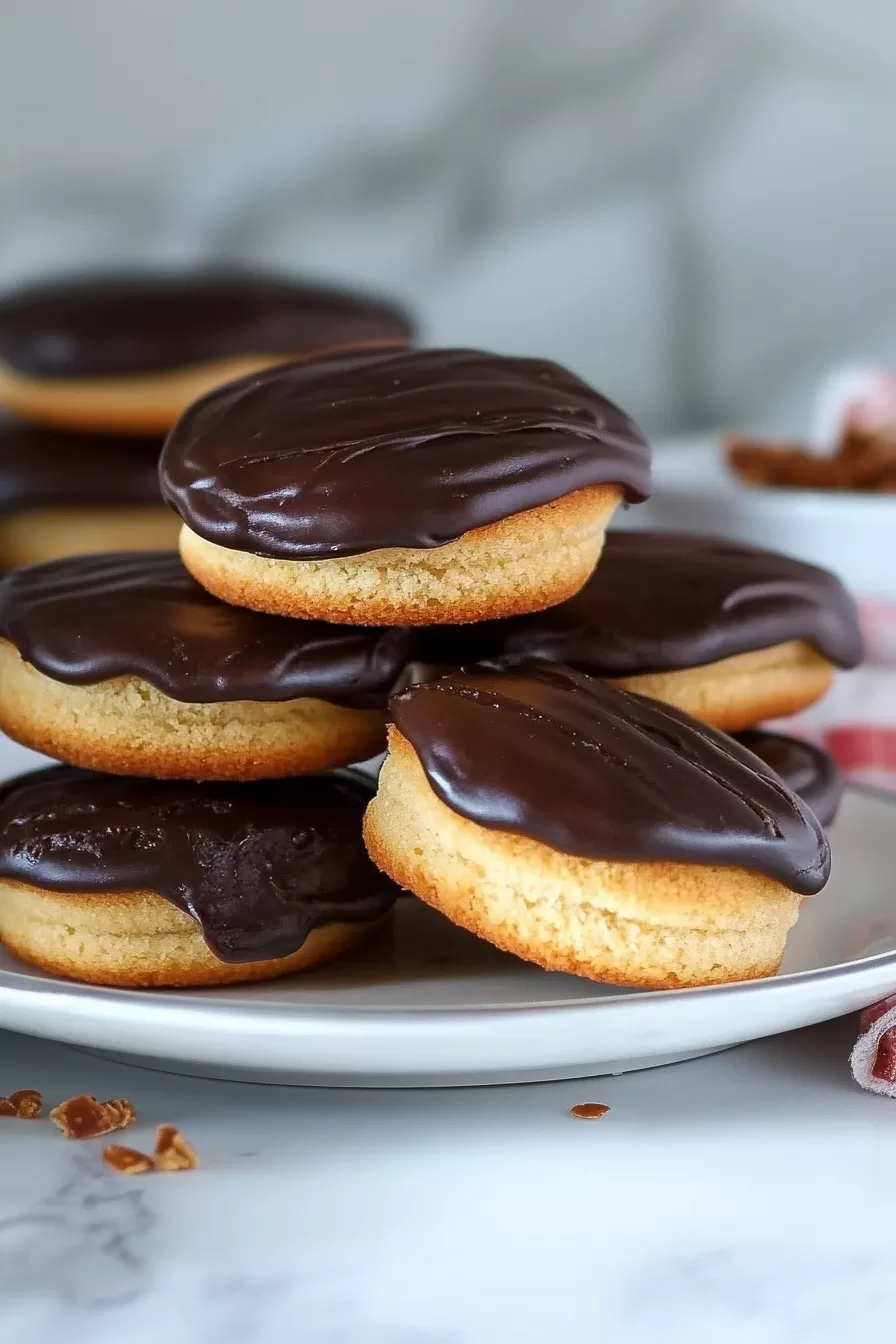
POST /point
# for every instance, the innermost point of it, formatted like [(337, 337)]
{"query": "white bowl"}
[(850, 533)]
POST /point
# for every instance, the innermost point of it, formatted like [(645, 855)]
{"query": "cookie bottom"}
[(739, 692), (146, 403), (34, 536), (125, 726), (524, 563), (138, 940), (650, 925)]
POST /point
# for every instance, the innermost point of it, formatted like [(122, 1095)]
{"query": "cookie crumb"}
[(589, 1110), (6, 1107), (83, 1117), (173, 1152), (127, 1161)]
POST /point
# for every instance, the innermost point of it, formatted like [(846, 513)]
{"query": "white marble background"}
[(691, 201), (746, 1197)]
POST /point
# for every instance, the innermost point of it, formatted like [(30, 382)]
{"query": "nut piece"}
[(126, 1160), (173, 1152), (122, 1110), (589, 1110), (84, 1117), (28, 1103), (864, 460)]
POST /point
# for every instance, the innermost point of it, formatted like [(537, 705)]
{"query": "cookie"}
[(806, 769), (122, 662), (67, 494), (401, 489), (140, 883), (126, 353), (727, 632), (592, 831)]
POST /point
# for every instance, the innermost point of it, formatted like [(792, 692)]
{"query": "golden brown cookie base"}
[(146, 403), (649, 925), (34, 536), (126, 727), (138, 940), (739, 692), (524, 563)]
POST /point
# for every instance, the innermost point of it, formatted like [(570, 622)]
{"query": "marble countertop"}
[(747, 1197)]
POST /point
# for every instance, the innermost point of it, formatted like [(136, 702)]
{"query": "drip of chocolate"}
[(807, 771), (411, 448), (568, 760), (113, 325), (88, 618), (40, 468), (663, 601), (257, 866)]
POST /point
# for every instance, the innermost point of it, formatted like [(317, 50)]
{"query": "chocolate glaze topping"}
[(805, 769), (410, 448), (258, 866), (88, 618), (662, 601), (41, 468), (112, 325), (568, 760)]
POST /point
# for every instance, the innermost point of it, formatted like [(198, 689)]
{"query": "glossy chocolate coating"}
[(569, 760), (663, 601), (258, 866), (805, 769), (40, 468), (113, 325), (87, 618), (411, 448)]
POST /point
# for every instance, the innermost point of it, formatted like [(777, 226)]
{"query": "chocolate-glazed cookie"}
[(111, 325), (129, 351), (136, 882), (806, 769), (591, 830), (728, 632), (65, 493), (122, 662), (323, 490)]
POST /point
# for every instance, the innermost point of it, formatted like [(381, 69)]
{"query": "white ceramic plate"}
[(851, 533), (430, 1005)]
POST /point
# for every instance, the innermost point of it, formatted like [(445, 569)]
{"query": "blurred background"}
[(691, 202)]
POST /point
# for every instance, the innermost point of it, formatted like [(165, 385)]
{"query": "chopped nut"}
[(6, 1107), (126, 1160), (84, 1117), (173, 1152), (589, 1110), (28, 1103), (863, 460), (123, 1110)]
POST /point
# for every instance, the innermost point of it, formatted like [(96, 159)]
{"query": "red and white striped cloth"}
[(856, 720), (856, 723)]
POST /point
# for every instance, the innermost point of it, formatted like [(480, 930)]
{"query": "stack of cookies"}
[(94, 371), (559, 777)]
